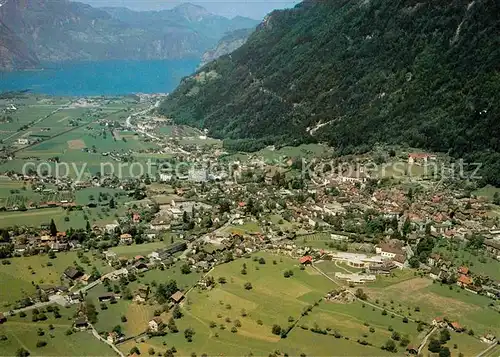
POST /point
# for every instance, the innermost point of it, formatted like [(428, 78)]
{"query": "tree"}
[(248, 286), (414, 263), (188, 334), (135, 350), (176, 312), (276, 330), (405, 340), (172, 327), (396, 336), (434, 346), (112, 203), (496, 199), (151, 351), (41, 343), (53, 228), (185, 269), (390, 346), (444, 336), (222, 280), (360, 294), (5, 237), (21, 352), (444, 352), (90, 312)]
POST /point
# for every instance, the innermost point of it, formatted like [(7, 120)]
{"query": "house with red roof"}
[(306, 260), (464, 281), (420, 158), (456, 327)]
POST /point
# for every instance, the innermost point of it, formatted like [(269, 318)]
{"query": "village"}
[(353, 221)]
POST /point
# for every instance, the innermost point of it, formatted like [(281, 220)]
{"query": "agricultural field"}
[(272, 299), (63, 219), (22, 274), (21, 332), (436, 300)]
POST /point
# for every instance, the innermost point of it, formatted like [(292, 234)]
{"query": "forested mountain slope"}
[(417, 72)]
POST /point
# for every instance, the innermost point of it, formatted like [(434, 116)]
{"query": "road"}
[(486, 351), (96, 335), (424, 341)]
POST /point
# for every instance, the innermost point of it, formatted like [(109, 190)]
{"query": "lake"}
[(101, 78)]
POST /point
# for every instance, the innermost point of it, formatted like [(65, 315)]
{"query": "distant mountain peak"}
[(192, 12)]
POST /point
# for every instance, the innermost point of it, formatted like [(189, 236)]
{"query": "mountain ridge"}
[(61, 30), (361, 73)]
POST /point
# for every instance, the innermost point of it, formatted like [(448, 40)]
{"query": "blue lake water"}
[(101, 78)]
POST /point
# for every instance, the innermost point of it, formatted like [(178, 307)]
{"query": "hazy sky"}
[(252, 8)]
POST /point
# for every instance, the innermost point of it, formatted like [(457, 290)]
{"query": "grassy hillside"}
[(408, 72)]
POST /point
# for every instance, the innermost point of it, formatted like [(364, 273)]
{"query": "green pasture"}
[(24, 273), (273, 299), (23, 333)]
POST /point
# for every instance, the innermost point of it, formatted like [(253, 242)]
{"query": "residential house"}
[(80, 324), (455, 326), (106, 297), (492, 246), (307, 260), (433, 259), (126, 238), (176, 247), (110, 256), (412, 350), (435, 273), (488, 338), (177, 297), (112, 337), (420, 158), (463, 270), (156, 324), (439, 322), (388, 250), (110, 228), (72, 273), (464, 281), (143, 291)]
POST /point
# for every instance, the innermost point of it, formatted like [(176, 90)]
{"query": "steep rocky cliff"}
[(13, 51), (226, 45)]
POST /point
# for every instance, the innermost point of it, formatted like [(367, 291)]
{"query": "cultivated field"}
[(273, 299)]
